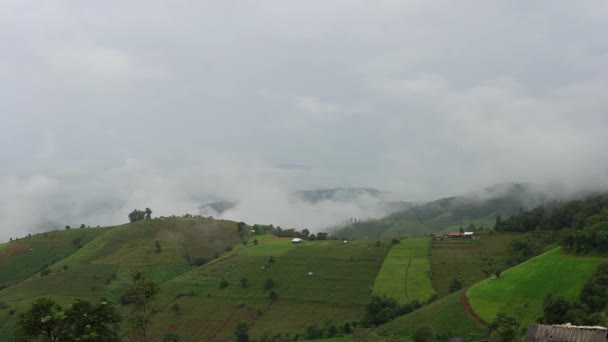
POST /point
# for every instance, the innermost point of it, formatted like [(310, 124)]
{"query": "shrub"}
[(455, 285), (45, 272), (268, 284), (273, 296), (223, 283)]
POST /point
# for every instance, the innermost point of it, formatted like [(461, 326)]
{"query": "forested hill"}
[(450, 213), (584, 223)]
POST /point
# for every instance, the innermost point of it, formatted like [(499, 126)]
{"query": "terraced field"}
[(405, 271), (446, 315), (101, 268), (520, 291), (465, 260), (314, 281)]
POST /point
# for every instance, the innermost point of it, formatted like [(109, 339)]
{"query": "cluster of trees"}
[(588, 310), (382, 309), (291, 232), (138, 215), (313, 331), (83, 321), (583, 224)]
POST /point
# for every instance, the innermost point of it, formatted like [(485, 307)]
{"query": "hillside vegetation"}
[(446, 317), (521, 290), (448, 213), (273, 285), (405, 272), (22, 258), (101, 268)]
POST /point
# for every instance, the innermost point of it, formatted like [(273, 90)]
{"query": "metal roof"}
[(564, 333)]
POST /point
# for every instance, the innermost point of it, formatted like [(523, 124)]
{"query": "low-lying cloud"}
[(112, 106)]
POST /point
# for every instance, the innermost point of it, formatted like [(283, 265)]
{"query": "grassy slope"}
[(102, 267), (338, 289), (520, 291), (25, 257), (464, 259), (405, 271), (444, 315)]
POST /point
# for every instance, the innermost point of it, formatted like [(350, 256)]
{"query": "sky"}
[(114, 105)]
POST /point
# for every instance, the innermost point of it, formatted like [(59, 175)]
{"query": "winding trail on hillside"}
[(464, 301)]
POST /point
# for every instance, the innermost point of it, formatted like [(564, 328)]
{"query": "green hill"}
[(521, 290), (314, 281), (22, 258), (448, 213), (101, 268)]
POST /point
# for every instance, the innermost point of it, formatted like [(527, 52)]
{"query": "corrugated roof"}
[(565, 333)]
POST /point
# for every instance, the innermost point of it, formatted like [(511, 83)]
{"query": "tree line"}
[(582, 224)]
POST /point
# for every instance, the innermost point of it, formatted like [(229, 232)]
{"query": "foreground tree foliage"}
[(81, 321)]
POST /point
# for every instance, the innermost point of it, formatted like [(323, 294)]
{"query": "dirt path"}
[(464, 301)]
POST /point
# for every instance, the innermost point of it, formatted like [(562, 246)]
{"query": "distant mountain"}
[(451, 212), (338, 194), (344, 195)]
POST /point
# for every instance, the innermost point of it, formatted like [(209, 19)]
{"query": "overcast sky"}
[(107, 106)]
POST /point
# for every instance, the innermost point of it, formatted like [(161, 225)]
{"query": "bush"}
[(223, 283), (455, 285), (175, 307), (273, 296), (45, 272), (268, 284), (244, 282)]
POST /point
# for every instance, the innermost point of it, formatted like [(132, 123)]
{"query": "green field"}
[(22, 258), (465, 260), (520, 291), (405, 271), (315, 281), (337, 290), (101, 268), (444, 315)]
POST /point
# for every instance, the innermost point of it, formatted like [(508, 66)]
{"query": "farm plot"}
[(520, 291), (314, 281), (405, 272)]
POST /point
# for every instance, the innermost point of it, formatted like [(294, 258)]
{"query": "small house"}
[(469, 235), (454, 235), (296, 240), (564, 333), (439, 237)]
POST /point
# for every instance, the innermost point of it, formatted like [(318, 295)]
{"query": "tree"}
[(455, 285), (255, 241), (82, 226), (80, 322), (503, 328), (175, 307), (241, 332), (223, 283), (93, 323), (268, 284), (140, 293), (45, 318), (67, 227), (244, 282), (148, 214)]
